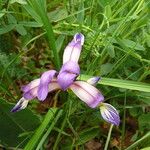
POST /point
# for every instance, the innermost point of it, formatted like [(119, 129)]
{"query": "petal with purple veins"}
[(109, 113), (22, 104), (73, 49), (87, 93), (45, 80)]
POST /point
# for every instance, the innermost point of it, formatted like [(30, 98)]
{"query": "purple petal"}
[(45, 79), (109, 113), (73, 49), (71, 67), (31, 85), (93, 81), (87, 93), (22, 104), (31, 93), (68, 74)]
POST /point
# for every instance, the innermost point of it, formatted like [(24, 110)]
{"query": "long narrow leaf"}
[(127, 84), (39, 132)]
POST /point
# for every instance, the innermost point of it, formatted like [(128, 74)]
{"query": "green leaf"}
[(143, 122), (7, 28), (133, 45), (57, 14), (104, 3), (111, 51), (2, 13), (59, 42), (30, 23), (20, 29), (11, 19), (146, 148), (127, 84), (50, 116), (80, 16), (106, 68), (108, 12), (14, 124), (33, 13), (18, 1), (49, 130), (142, 140), (87, 135)]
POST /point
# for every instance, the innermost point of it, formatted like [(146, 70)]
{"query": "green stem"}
[(108, 137), (123, 125)]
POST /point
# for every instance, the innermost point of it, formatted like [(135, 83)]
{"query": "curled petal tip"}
[(73, 49), (22, 104), (109, 113), (93, 81), (79, 37)]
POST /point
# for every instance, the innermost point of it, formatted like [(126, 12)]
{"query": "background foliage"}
[(33, 35)]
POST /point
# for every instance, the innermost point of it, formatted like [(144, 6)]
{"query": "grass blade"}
[(36, 137), (127, 84)]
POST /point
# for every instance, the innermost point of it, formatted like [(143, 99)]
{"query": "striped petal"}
[(109, 113), (45, 80), (93, 81), (87, 93), (73, 49), (22, 104), (68, 74)]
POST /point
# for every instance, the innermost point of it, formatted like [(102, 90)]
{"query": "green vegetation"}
[(33, 36)]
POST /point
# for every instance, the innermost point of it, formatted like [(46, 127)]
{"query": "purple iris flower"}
[(66, 79)]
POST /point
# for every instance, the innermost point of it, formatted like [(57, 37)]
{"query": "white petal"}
[(22, 104), (93, 81)]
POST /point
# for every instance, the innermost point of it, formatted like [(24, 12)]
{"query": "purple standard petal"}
[(93, 81), (73, 49), (45, 80), (68, 74), (87, 93), (22, 104), (109, 113)]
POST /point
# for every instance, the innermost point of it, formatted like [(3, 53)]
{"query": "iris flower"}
[(66, 79)]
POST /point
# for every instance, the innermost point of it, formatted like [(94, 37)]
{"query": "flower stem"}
[(108, 137)]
